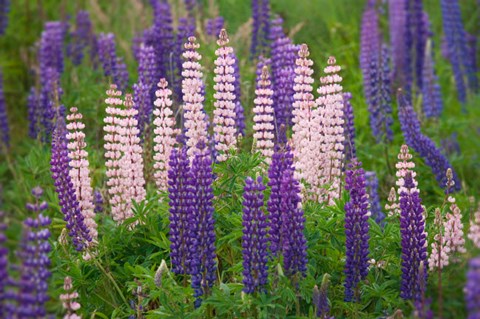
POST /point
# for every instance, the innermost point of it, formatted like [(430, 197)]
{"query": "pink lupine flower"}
[(79, 170), (164, 134), (404, 166), (331, 137), (392, 206), (195, 121), (68, 300), (439, 256), (303, 118), (454, 239), (264, 116), (474, 232), (224, 112), (113, 150)]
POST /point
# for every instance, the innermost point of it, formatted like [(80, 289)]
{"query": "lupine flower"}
[(4, 128), (422, 305), (163, 268), (190, 6), (49, 105), (68, 300), (450, 145), (185, 29), (397, 10), (107, 53), (349, 149), (392, 206), (164, 134), (33, 254), (422, 144), (294, 243), (283, 79), (224, 112), (412, 228), (303, 118), (180, 193), (239, 114), (416, 34), (192, 84), (371, 183), (147, 68), (214, 26), (254, 240), (369, 47), (474, 231), (131, 163), (143, 105), (320, 299), (120, 74), (454, 239), (276, 30), (50, 53), (261, 26), (439, 256), (4, 10), (66, 190), (455, 36), (282, 160), (331, 136), (264, 116), (80, 170), (203, 265), (138, 41), (472, 289), (161, 37), (82, 38), (3, 265), (356, 230), (34, 113), (98, 201)]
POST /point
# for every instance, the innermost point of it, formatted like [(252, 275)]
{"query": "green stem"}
[(109, 276)]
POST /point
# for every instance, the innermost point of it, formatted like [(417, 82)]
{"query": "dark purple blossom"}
[(49, 101), (98, 201), (239, 113), (161, 38), (416, 33), (214, 25), (276, 29), (120, 74), (261, 27), (4, 10), (147, 69), (397, 16), (34, 113), (431, 91), (138, 41), (203, 265), (143, 103), (82, 38), (65, 189), (320, 299), (107, 53), (369, 47), (350, 150), (414, 246), (472, 289), (180, 193), (4, 127), (371, 183), (422, 305), (254, 240), (50, 53), (356, 230), (3, 265)]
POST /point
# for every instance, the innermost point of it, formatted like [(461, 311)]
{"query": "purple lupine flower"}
[(98, 201), (181, 201), (282, 160), (4, 128), (422, 305), (49, 100), (50, 53), (162, 39), (203, 265), (369, 48), (3, 265), (33, 254), (294, 244), (472, 42), (34, 115), (371, 183), (214, 26), (422, 144), (82, 38), (415, 41), (398, 24), (320, 299), (65, 189), (350, 150), (190, 6), (431, 91), (456, 38), (261, 27), (120, 74), (276, 29), (356, 230), (107, 53), (254, 240), (147, 70), (4, 10), (414, 246), (185, 29), (450, 145), (138, 41), (143, 103), (239, 113), (284, 55), (472, 289)]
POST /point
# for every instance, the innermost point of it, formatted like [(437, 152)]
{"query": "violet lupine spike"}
[(349, 148), (276, 29), (98, 201), (162, 38), (34, 113), (138, 41), (186, 28), (82, 38), (180, 193), (214, 26), (254, 239), (294, 245), (4, 127), (320, 299), (356, 230), (193, 97), (472, 289), (107, 53), (369, 47), (224, 112), (50, 53), (397, 15), (4, 10), (415, 40), (120, 74), (431, 91), (239, 112), (49, 98), (264, 115), (147, 65), (190, 6), (472, 43), (371, 183), (261, 27), (282, 160), (203, 265), (70, 207), (422, 144), (422, 305), (3, 266), (143, 105)]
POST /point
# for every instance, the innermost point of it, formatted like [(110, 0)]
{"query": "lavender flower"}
[(161, 38), (261, 27), (107, 53), (294, 244), (371, 184), (98, 201), (214, 26), (3, 264), (422, 144), (472, 289), (180, 193), (320, 299), (34, 115), (82, 38), (190, 6), (4, 128), (431, 92), (49, 100), (143, 104), (147, 68), (414, 245), (120, 74), (254, 240), (398, 24), (369, 47), (239, 115), (4, 9), (203, 266), (276, 29), (415, 40), (350, 150), (50, 53), (65, 189), (356, 230)]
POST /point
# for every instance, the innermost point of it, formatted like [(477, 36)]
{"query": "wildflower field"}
[(239, 159)]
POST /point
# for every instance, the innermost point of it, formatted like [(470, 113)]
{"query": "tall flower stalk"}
[(472, 288)]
